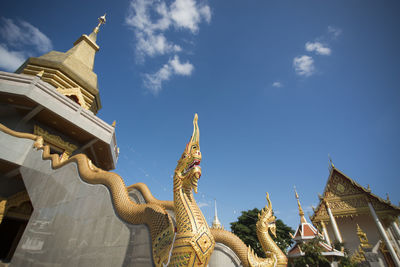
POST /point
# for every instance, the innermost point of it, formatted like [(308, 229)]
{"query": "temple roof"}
[(306, 232), (348, 198)]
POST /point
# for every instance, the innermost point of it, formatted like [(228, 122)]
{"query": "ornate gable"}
[(346, 197)]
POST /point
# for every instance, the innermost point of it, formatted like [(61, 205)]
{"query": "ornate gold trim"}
[(57, 141), (350, 201), (11, 202), (74, 92), (154, 216)]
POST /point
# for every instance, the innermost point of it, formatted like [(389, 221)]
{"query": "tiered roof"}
[(306, 232)]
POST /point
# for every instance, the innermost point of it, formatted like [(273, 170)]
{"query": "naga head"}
[(188, 169), (266, 218)]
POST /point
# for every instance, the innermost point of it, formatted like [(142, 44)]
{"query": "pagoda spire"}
[(85, 47), (216, 223), (93, 35), (71, 73), (301, 212)]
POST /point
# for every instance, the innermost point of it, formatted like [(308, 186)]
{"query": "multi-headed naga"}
[(194, 242)]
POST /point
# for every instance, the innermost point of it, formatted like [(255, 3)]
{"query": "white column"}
[(384, 235), (393, 238), (334, 225), (396, 230), (325, 232)]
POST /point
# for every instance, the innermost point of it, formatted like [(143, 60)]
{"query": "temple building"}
[(306, 232), (59, 203), (347, 210), (53, 211)]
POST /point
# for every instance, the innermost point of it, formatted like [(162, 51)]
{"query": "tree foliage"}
[(245, 229), (312, 255)]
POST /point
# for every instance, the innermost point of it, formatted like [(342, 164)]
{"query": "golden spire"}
[(301, 212), (72, 69)]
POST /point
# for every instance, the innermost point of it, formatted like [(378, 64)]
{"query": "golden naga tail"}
[(153, 215)]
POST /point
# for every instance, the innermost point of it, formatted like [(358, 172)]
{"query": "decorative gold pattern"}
[(347, 198), (154, 216), (57, 141), (62, 81), (194, 242), (74, 92), (12, 202), (363, 238)]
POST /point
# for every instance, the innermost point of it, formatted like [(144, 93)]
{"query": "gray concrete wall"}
[(223, 256), (73, 223)]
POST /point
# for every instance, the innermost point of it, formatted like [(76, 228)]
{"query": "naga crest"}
[(188, 170), (266, 218)]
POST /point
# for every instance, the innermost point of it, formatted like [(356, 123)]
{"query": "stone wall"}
[(73, 223)]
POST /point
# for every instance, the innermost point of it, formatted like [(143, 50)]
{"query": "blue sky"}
[(278, 85)]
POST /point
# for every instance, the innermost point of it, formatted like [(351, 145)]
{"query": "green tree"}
[(245, 229), (312, 255)]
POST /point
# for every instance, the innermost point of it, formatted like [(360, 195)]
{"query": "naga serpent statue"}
[(265, 223), (194, 242)]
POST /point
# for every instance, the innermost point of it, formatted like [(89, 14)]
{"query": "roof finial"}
[(387, 197), (301, 212), (330, 161), (102, 20)]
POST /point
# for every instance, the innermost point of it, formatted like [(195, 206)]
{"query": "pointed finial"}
[(330, 161), (387, 197), (102, 20), (301, 212), (216, 224), (368, 188), (114, 123), (313, 208), (40, 74)]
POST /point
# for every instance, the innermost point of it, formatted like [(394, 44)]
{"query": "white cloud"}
[(154, 44), (336, 32), (154, 81), (318, 48), (181, 68), (202, 204), (277, 84), (24, 34), (10, 60), (150, 19), (188, 14), (304, 65)]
